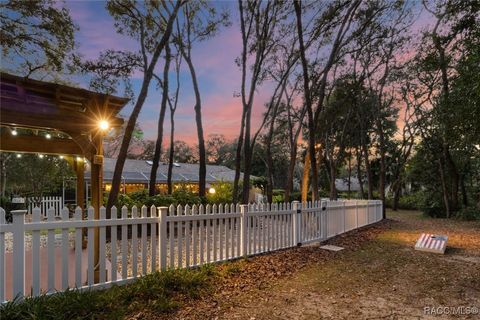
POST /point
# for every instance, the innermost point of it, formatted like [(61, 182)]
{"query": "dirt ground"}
[(377, 276)]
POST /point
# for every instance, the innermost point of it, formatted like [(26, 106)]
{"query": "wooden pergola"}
[(48, 118)]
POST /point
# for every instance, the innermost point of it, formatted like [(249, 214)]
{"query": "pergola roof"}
[(72, 112)]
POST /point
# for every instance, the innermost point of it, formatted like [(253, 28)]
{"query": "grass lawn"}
[(377, 276)]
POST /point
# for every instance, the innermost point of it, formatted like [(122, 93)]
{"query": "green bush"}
[(6, 204), (296, 196), (278, 198), (158, 292), (414, 201), (223, 193), (160, 200), (141, 198), (185, 197), (468, 213)]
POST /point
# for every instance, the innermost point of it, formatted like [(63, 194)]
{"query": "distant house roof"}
[(342, 184), (138, 171)]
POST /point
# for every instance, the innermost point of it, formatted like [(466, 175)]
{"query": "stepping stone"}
[(432, 243), (330, 247)]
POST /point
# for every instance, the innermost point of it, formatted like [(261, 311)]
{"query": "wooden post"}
[(162, 237), (96, 161), (79, 167), (18, 224), (296, 222), (243, 230)]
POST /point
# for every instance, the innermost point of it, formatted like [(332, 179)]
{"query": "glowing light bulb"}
[(103, 124), (48, 136), (41, 156), (14, 132), (19, 155)]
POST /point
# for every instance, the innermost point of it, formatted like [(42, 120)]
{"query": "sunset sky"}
[(217, 73)]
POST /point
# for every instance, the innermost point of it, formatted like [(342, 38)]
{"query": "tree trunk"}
[(308, 103), (359, 172), (464, 191), (396, 195), (161, 119), (122, 156), (444, 188), (305, 178), (238, 159), (269, 173), (291, 172), (349, 174), (269, 145), (247, 156), (198, 119), (369, 172), (455, 183), (382, 176), (333, 176), (172, 152)]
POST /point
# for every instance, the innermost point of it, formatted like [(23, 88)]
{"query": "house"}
[(136, 175)]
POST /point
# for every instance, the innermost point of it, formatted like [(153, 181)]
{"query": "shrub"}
[(125, 200), (412, 201), (6, 204), (468, 213), (278, 198), (296, 196), (160, 200), (156, 292), (223, 193), (185, 197), (140, 198)]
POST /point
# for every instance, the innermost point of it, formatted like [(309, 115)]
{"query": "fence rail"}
[(47, 256)]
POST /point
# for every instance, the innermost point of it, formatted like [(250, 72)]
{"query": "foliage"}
[(32, 176), (35, 36), (259, 182), (469, 213), (413, 201), (159, 292), (182, 153), (223, 193), (141, 198)]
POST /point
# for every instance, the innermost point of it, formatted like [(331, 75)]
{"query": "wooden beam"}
[(63, 121), (36, 144)]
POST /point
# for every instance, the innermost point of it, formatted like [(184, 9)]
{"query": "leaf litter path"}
[(377, 276)]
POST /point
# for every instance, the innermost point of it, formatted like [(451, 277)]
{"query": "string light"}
[(79, 159), (48, 136), (60, 156), (19, 155), (41, 156), (14, 132)]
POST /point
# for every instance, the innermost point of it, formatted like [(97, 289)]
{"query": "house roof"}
[(138, 171)]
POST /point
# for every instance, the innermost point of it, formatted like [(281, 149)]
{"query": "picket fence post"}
[(162, 237), (18, 222), (243, 230), (296, 223)]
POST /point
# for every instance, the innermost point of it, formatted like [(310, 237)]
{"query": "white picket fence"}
[(55, 202), (48, 256)]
